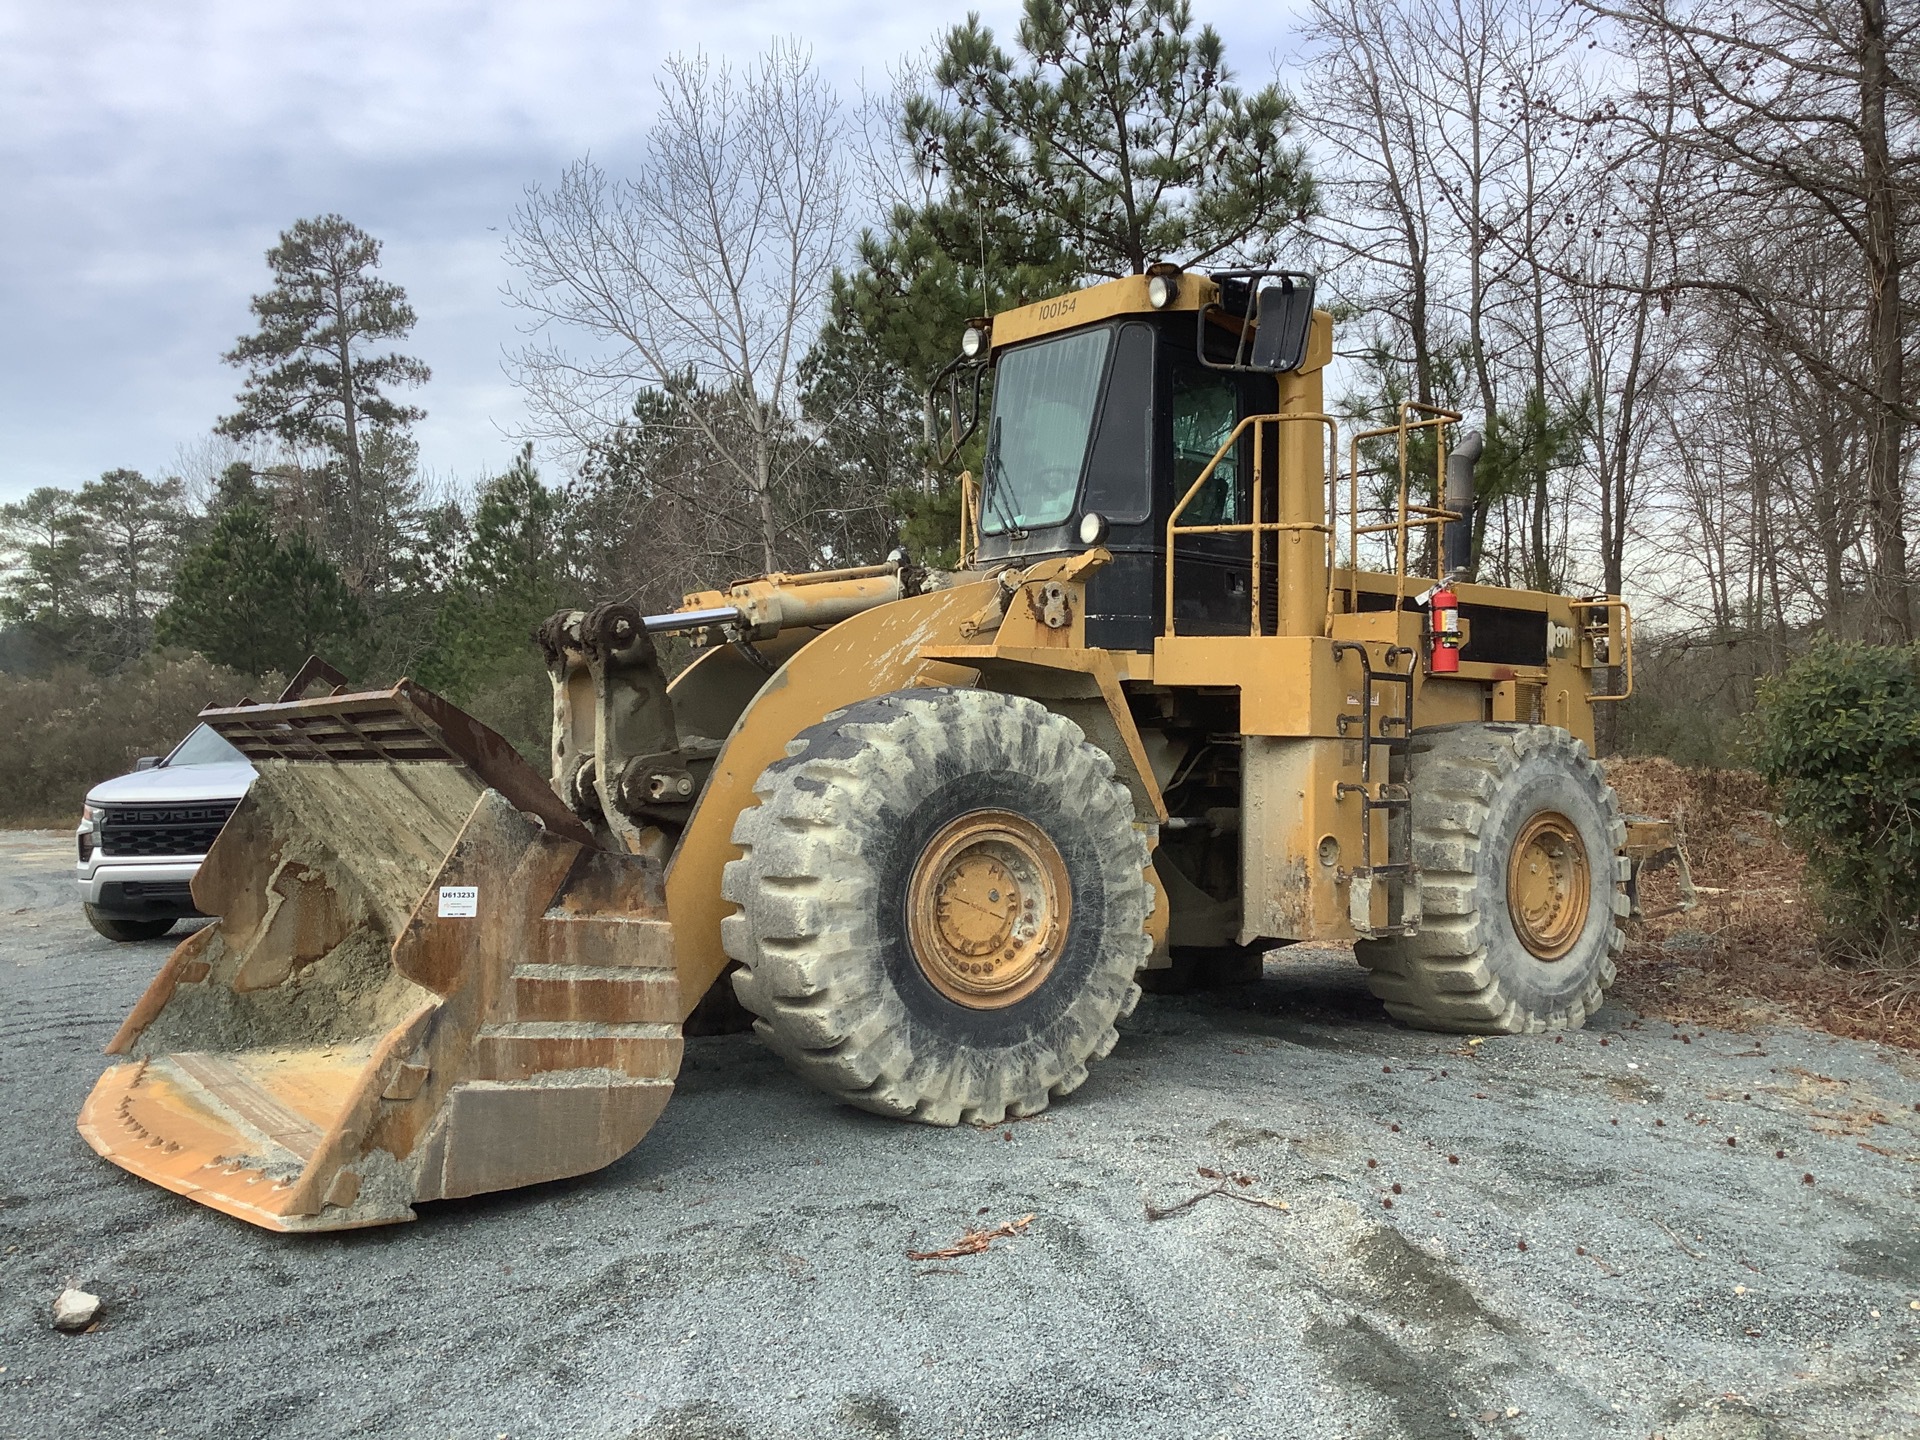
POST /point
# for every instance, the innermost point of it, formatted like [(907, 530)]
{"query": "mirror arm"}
[(948, 373), (1201, 317)]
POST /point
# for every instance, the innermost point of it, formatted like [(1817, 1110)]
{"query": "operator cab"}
[(1096, 433)]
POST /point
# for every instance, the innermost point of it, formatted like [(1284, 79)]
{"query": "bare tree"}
[(1800, 124), (1447, 158), (701, 275), (1618, 232), (1379, 222)]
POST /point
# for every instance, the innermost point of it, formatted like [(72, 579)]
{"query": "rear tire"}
[(128, 927), (942, 902), (1515, 834)]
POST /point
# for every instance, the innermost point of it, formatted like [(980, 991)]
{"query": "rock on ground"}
[(75, 1310)]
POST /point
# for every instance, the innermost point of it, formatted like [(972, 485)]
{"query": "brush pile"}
[(1749, 951)]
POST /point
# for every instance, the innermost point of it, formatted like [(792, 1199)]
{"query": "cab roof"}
[(1102, 301), (1110, 299)]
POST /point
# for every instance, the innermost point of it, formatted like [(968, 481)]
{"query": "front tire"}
[(943, 902), (1515, 834), (125, 928)]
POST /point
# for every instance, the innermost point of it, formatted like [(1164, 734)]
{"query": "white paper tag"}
[(459, 902)]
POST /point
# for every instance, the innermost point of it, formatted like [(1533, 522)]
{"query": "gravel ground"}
[(1592, 1236)]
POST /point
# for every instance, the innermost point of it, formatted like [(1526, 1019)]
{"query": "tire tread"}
[(802, 907), (1442, 978)]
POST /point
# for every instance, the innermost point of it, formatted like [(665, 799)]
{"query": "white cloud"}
[(149, 155)]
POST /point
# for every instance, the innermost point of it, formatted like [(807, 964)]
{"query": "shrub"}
[(63, 733), (1838, 736), (1692, 694)]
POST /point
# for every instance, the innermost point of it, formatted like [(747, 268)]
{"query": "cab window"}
[(1120, 474), (1205, 409)]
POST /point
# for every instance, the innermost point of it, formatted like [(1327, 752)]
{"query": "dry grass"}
[(1750, 951), (63, 733)]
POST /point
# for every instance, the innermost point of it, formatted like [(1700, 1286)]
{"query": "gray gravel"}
[(744, 1272)]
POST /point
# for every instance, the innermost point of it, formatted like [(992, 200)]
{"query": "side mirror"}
[(146, 762), (1269, 313), (1285, 320)]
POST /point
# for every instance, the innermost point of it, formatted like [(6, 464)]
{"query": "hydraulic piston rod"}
[(692, 619)]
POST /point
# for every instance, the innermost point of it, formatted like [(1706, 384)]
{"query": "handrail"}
[(1625, 662), (1404, 521), (1256, 528), (969, 520)]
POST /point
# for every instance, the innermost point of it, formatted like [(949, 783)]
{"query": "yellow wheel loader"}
[(1204, 682)]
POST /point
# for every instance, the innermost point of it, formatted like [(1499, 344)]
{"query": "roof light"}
[(1162, 290), (973, 340)]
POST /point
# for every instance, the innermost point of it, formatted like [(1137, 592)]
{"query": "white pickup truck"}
[(143, 835)]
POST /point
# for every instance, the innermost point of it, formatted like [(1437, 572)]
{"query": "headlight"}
[(973, 342), (1162, 290), (88, 814), (1093, 528)]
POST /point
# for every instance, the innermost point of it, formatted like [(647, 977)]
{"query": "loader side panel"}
[(711, 692)]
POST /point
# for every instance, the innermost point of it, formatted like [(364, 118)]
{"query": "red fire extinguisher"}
[(1443, 630)]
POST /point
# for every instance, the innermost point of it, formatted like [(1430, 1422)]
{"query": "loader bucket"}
[(426, 981)]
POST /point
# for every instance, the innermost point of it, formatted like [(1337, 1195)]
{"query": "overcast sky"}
[(150, 153)]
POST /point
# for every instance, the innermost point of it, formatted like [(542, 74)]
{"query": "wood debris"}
[(1231, 1186), (976, 1241)]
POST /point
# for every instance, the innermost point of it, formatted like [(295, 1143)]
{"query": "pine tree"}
[(44, 538), (237, 486), (508, 580), (134, 528), (250, 601), (1117, 135), (1114, 139), (314, 377)]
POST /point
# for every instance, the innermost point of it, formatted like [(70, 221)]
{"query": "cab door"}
[(1212, 573)]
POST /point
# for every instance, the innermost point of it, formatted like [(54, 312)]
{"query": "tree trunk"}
[(1891, 605), (763, 483), (350, 416), (1617, 483)]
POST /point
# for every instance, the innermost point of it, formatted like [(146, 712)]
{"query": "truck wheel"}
[(127, 927), (1515, 833), (942, 905)]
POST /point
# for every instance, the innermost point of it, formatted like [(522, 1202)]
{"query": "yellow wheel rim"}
[(987, 909), (1549, 885)]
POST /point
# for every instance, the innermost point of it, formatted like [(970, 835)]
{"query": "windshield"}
[(1043, 400), (202, 747)]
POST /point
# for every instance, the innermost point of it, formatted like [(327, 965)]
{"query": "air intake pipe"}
[(1456, 537)]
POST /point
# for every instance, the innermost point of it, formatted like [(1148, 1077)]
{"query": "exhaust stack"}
[(1456, 538)]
